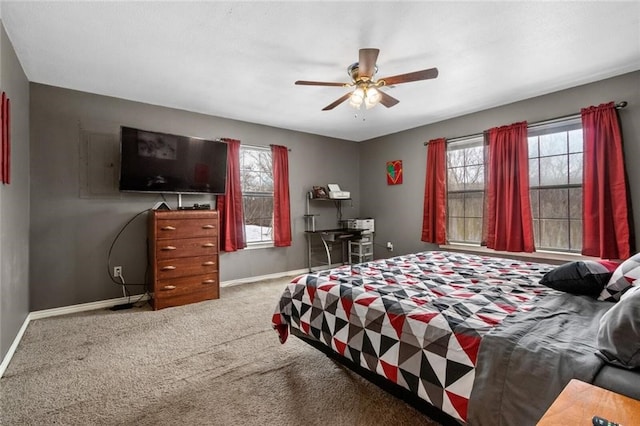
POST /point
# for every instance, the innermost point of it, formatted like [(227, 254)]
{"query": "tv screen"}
[(160, 162)]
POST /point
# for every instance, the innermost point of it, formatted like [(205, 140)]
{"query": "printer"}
[(335, 193)]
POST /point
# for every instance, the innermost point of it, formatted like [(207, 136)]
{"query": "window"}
[(256, 180), (465, 190), (555, 180)]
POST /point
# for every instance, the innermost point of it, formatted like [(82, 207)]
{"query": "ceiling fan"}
[(365, 87)]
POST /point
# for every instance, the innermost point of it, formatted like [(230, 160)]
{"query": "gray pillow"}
[(619, 332)]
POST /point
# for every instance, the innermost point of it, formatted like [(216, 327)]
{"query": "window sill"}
[(255, 246), (554, 258)]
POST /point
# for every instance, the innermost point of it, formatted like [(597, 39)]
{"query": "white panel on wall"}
[(99, 158)]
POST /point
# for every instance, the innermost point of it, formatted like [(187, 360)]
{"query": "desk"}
[(580, 401), (330, 236)]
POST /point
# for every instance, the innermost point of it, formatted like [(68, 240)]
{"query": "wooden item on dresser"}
[(580, 401), (183, 256)]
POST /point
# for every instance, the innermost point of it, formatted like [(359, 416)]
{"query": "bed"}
[(477, 337)]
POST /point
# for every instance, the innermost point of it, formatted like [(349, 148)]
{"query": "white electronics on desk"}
[(367, 225), (335, 193)]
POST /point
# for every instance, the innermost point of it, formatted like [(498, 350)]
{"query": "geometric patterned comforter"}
[(416, 320)]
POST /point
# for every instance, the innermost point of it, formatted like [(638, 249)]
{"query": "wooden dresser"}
[(183, 256)]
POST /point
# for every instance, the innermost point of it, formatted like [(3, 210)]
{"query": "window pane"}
[(535, 203), (575, 203), (474, 155), (456, 229), (536, 232), (455, 204), (553, 170), (554, 234), (474, 177), (251, 181), (554, 203), (575, 168), (455, 158), (534, 172), (473, 205), (473, 230), (533, 146), (576, 141), (267, 182), (576, 234), (455, 179), (553, 144)]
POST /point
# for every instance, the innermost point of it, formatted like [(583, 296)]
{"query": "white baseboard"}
[(14, 346), (46, 313), (65, 310), (263, 277)]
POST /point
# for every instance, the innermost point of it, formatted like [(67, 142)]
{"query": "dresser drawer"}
[(186, 266), (185, 290), (187, 228), (187, 247)]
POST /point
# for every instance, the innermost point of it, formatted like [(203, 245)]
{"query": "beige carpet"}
[(211, 363)]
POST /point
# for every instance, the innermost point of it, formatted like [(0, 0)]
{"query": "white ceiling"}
[(239, 60)]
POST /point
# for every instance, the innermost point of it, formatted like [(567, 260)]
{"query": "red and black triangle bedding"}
[(417, 320)]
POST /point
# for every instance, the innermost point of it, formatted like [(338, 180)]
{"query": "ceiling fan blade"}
[(337, 102), (319, 83), (387, 100), (367, 62), (412, 76)]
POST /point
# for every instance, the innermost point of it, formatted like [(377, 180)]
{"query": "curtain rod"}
[(260, 146), (619, 105)]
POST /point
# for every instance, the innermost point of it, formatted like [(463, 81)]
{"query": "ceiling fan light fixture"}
[(357, 97), (372, 97)]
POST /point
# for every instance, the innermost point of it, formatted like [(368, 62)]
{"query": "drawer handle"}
[(208, 263), (169, 287), (208, 245), (208, 226), (209, 282), (168, 228), (169, 248), (168, 268)]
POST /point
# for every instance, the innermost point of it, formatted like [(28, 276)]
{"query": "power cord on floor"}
[(122, 283)]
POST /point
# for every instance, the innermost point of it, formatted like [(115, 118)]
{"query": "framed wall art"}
[(394, 172)]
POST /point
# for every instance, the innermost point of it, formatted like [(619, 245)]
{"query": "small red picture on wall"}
[(394, 172)]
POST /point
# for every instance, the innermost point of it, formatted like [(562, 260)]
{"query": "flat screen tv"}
[(160, 162)]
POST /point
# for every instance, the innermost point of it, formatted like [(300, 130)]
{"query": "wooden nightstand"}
[(580, 401)]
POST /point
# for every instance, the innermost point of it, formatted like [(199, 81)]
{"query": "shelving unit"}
[(327, 237), (361, 250)]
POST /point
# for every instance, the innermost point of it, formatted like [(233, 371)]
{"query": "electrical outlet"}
[(117, 271), (389, 246)]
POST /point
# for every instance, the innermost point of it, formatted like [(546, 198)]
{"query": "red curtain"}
[(435, 194), (281, 208), (232, 236), (605, 210), (509, 224)]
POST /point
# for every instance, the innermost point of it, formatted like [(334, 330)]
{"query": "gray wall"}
[(14, 202), (72, 230), (398, 209)]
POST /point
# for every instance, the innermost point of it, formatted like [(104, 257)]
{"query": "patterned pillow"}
[(625, 276), (586, 277)]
